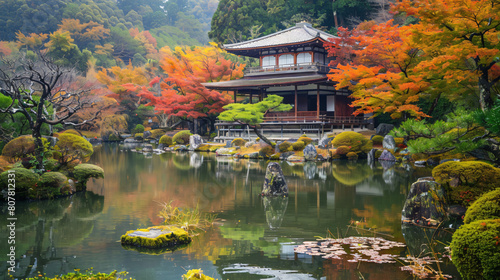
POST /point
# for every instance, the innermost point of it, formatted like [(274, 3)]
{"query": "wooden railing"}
[(322, 68), (311, 116)]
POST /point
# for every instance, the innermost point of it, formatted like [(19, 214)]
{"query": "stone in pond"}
[(425, 204), (195, 141), (156, 237), (387, 156), (274, 182), (310, 153), (389, 142)]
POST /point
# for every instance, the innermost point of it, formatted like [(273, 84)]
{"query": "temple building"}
[(293, 63)]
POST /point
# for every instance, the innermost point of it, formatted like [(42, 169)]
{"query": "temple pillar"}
[(235, 93), (317, 102), (295, 102)]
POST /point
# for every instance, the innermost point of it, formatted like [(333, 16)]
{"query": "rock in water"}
[(324, 142), (425, 204), (148, 148), (371, 156), (195, 141), (387, 156), (389, 142), (274, 182), (146, 134), (310, 152)]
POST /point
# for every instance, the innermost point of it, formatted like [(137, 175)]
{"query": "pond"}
[(252, 239)]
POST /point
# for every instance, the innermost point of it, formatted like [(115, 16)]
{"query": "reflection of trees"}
[(44, 226), (352, 173), (275, 208)]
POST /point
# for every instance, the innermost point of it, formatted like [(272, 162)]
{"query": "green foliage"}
[(25, 181), (378, 139), (475, 249), (240, 142), (51, 165), (139, 136), (352, 155), (72, 147), (138, 129), (253, 114), (486, 207), (51, 184), (342, 150), (182, 137), (113, 137), (355, 141), (166, 140), (85, 171), (266, 151), (157, 133), (284, 147), (186, 218), (196, 274), (172, 237), (87, 275), (305, 139), (490, 119), (298, 146), (19, 147)]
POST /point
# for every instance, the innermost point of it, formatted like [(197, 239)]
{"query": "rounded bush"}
[(305, 139), (475, 249), (19, 147), (342, 150), (139, 136), (239, 142), (182, 137), (50, 185), (378, 139), (138, 129), (157, 133), (266, 151), (298, 146), (355, 141), (284, 147), (166, 140), (113, 137), (85, 171), (26, 181), (485, 207), (72, 147), (352, 155)]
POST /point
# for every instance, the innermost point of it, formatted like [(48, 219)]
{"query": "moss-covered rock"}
[(475, 249), (274, 181), (196, 274), (166, 140), (85, 171), (25, 181), (266, 151), (466, 180), (156, 237), (284, 147), (425, 203), (139, 136), (485, 207), (182, 137), (238, 142), (298, 146), (377, 140)]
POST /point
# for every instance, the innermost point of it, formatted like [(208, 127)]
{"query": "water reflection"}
[(275, 208)]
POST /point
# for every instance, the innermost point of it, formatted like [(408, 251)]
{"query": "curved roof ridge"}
[(263, 37)]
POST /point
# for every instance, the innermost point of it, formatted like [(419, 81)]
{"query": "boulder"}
[(274, 182), (426, 203), (456, 211), (228, 144), (383, 129), (146, 134), (156, 237), (295, 158), (389, 142), (130, 140), (180, 148), (249, 144), (285, 155), (387, 156), (148, 148), (161, 146), (225, 152), (324, 142), (195, 141), (310, 153), (252, 155), (371, 155)]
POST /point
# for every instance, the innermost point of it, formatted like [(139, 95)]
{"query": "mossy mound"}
[(266, 151), (157, 133), (484, 208), (25, 181), (377, 140), (305, 139), (238, 142), (355, 141), (352, 155), (196, 274), (466, 180), (85, 171), (166, 140), (182, 137), (476, 249), (52, 183), (156, 237), (298, 146), (19, 147), (284, 147)]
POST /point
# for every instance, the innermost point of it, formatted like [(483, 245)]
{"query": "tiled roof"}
[(301, 32), (262, 82)]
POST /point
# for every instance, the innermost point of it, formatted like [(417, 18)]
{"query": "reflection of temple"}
[(293, 63)]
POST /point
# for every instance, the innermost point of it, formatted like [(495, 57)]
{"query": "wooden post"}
[(251, 98), (317, 102), (295, 103), (235, 93)]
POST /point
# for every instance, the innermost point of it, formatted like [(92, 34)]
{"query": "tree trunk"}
[(38, 147), (434, 104), (262, 137), (485, 99)]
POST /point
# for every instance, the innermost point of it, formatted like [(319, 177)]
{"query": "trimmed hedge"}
[(284, 147), (240, 142), (484, 208), (378, 139), (19, 147), (182, 137), (305, 139), (166, 140), (355, 141), (72, 147), (298, 146), (85, 171), (266, 151), (26, 180)]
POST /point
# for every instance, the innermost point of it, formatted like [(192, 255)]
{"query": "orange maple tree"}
[(182, 93)]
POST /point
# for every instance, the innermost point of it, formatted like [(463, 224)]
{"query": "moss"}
[(240, 142), (475, 249), (182, 137), (399, 141), (19, 147), (87, 275), (25, 181), (169, 237), (85, 171), (72, 147), (139, 136), (157, 133), (342, 150), (352, 155), (113, 137), (203, 148), (51, 184), (266, 151), (196, 274), (4, 164), (305, 139), (378, 139), (284, 147), (378, 153), (138, 129), (298, 146), (166, 140), (485, 207), (275, 156), (355, 141)]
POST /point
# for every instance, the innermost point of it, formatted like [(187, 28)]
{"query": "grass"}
[(186, 218)]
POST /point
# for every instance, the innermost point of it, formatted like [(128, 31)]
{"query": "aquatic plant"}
[(87, 275), (186, 218)]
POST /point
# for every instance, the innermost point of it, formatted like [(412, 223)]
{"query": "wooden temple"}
[(293, 63)]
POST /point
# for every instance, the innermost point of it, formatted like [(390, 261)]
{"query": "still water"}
[(252, 239)]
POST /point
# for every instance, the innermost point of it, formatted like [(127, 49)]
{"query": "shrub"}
[(72, 131), (266, 151), (240, 142), (52, 165), (182, 137), (195, 274), (352, 155), (166, 140), (355, 141), (72, 147), (113, 137), (139, 128), (4, 165), (475, 249), (26, 181), (50, 185), (378, 153), (378, 139), (342, 150), (298, 146), (157, 133), (284, 147), (83, 172), (139, 136), (305, 139), (19, 147), (485, 207)]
